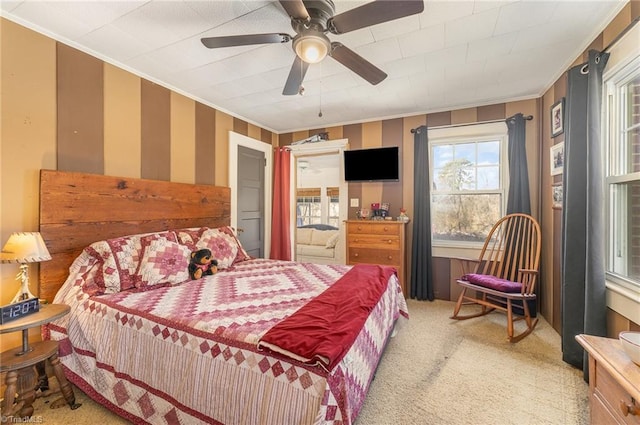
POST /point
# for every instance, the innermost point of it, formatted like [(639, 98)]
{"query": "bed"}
[(237, 347)]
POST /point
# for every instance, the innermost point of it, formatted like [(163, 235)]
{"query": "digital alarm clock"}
[(17, 310)]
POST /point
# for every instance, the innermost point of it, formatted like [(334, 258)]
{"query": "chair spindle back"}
[(512, 246)]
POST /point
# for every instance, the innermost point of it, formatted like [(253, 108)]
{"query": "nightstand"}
[(614, 382), (21, 363)]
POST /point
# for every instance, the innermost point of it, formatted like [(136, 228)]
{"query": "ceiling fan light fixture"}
[(311, 47)]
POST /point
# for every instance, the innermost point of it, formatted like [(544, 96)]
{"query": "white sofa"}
[(316, 245)]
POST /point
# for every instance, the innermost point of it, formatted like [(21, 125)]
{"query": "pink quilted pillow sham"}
[(223, 247), (127, 252), (103, 276), (242, 254), (190, 236), (492, 282), (163, 261)]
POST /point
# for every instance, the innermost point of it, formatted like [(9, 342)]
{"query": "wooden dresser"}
[(614, 382), (378, 242)]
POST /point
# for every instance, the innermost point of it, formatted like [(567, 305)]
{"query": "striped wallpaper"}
[(109, 119)]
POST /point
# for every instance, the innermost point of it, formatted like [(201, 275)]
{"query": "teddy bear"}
[(201, 264)]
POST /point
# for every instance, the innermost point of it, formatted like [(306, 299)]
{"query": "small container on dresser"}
[(614, 382), (378, 242)]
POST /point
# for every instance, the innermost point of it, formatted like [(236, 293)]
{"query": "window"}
[(314, 208), (622, 179), (308, 211), (467, 183), (333, 195)]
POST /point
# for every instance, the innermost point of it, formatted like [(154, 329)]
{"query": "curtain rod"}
[(526, 117), (622, 33)]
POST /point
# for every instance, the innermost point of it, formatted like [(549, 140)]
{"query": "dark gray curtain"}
[(421, 270), (518, 200), (583, 241)]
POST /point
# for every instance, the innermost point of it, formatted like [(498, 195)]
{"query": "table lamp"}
[(24, 248)]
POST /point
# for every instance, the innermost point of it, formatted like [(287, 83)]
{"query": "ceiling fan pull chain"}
[(320, 111)]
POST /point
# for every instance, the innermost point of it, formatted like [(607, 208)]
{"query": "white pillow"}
[(320, 237), (333, 240)]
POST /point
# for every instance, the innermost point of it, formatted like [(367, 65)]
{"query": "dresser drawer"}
[(374, 228), (374, 256), (377, 242), (374, 241), (609, 391), (599, 413)]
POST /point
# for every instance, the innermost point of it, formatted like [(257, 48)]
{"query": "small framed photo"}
[(557, 118), (557, 158), (556, 196)]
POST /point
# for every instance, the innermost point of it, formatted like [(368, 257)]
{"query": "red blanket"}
[(323, 330)]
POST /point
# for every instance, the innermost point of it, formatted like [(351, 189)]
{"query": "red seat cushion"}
[(492, 282)]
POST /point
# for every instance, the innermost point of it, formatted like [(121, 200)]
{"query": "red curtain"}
[(280, 222)]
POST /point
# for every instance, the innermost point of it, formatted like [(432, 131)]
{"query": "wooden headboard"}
[(77, 209)]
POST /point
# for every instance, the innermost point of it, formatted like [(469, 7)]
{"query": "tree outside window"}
[(467, 191), (308, 210), (318, 206)]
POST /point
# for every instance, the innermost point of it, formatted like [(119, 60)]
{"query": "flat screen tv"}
[(373, 164)]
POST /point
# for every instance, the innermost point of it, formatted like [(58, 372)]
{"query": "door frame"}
[(235, 140), (319, 148)]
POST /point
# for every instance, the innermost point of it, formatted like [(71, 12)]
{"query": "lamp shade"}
[(24, 247), (311, 46)]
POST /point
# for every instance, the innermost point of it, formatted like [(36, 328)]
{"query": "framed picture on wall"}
[(556, 196), (557, 158), (557, 118)]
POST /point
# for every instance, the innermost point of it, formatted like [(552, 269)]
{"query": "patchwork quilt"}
[(187, 352)]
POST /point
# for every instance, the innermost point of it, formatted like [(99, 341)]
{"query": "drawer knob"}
[(632, 408), (389, 258), (355, 255), (356, 240), (386, 229), (389, 241)]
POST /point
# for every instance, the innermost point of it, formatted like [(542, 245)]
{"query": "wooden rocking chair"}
[(505, 274)]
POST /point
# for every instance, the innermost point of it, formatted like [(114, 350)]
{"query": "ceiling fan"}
[(311, 20)]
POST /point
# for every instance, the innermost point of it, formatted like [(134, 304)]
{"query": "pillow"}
[(493, 282), (105, 276), (332, 241), (224, 247), (320, 237), (242, 254), (127, 252), (163, 261), (303, 236), (143, 243), (190, 236)]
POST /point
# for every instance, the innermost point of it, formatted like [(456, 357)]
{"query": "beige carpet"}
[(440, 371)]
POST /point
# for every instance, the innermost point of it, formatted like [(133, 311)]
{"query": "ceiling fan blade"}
[(357, 63), (296, 76), (295, 8), (373, 13), (244, 40)]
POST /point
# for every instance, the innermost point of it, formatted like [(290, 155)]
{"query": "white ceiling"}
[(455, 54)]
